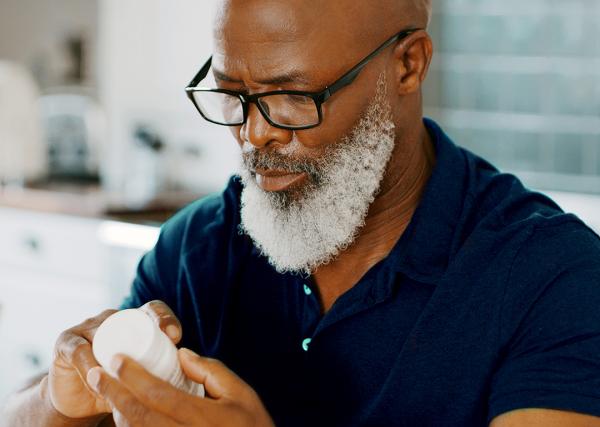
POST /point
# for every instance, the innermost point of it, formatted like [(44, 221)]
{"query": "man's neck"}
[(389, 216)]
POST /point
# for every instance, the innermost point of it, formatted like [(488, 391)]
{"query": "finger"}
[(219, 381), (77, 352), (166, 319), (131, 411), (88, 328), (75, 344), (72, 361), (151, 391)]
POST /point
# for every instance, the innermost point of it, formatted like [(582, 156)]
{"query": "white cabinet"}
[(34, 309), (51, 243), (56, 271)]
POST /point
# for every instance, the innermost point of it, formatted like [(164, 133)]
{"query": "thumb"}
[(218, 380)]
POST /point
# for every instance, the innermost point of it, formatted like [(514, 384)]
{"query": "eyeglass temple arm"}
[(342, 82), (201, 74), (351, 75)]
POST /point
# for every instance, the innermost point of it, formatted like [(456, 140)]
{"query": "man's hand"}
[(139, 399), (68, 390)]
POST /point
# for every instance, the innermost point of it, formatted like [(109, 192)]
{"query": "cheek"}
[(339, 119), (335, 126)]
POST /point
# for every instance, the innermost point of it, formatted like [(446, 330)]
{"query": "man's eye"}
[(299, 99)]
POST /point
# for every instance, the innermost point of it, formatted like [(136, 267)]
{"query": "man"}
[(363, 270)]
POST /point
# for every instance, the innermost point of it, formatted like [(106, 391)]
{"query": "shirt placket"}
[(311, 313)]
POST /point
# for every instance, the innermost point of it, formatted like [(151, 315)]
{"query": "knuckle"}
[(79, 352), (80, 346), (70, 345), (137, 413), (63, 337), (156, 394)]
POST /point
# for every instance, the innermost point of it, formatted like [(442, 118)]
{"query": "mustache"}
[(256, 159)]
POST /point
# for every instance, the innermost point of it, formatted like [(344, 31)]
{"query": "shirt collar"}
[(424, 250)]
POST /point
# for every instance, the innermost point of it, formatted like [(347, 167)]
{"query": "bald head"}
[(423, 8), (308, 34), (365, 20)]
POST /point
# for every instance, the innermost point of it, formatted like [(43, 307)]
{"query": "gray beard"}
[(301, 230)]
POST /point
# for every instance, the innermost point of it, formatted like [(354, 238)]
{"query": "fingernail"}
[(172, 331), (93, 378)]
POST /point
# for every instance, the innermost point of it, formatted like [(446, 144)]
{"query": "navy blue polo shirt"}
[(489, 302)]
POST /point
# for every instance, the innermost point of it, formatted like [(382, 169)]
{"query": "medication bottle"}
[(135, 334)]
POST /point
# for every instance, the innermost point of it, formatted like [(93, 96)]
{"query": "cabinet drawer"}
[(51, 243), (34, 309)]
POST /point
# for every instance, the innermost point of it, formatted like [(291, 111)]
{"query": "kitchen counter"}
[(89, 200)]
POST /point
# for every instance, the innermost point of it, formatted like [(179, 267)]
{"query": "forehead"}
[(262, 37)]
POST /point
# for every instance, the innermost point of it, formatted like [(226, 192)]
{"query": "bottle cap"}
[(129, 332), (135, 334)]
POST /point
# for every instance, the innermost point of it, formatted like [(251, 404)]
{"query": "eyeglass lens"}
[(282, 109), (220, 107)]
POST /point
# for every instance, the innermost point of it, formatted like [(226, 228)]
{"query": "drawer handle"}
[(33, 359), (33, 244)]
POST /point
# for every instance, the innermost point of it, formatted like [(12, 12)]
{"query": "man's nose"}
[(258, 132)]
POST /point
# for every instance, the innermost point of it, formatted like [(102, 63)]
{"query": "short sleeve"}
[(552, 325), (146, 286)]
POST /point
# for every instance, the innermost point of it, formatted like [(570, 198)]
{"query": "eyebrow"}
[(288, 77)]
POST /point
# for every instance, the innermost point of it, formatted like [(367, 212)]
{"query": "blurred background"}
[(99, 145)]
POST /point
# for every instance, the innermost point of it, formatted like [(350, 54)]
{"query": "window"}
[(519, 84)]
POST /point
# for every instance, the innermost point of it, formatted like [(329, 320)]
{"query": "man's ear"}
[(412, 57)]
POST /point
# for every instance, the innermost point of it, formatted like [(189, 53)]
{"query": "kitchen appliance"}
[(74, 132), (22, 152)]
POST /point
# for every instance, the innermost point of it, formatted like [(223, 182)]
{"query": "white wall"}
[(149, 51), (32, 31)]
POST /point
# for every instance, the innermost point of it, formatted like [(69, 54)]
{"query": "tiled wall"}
[(519, 83)]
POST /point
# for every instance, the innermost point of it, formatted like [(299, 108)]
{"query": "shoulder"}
[(500, 200), (527, 238), (556, 270), (497, 206)]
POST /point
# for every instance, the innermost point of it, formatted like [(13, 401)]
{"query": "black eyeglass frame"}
[(318, 97)]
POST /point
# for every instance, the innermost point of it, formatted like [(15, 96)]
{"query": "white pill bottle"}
[(135, 334)]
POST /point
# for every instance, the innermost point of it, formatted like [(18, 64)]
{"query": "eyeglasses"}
[(285, 109)]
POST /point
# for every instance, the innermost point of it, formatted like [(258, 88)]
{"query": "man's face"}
[(265, 45), (301, 230), (326, 177)]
